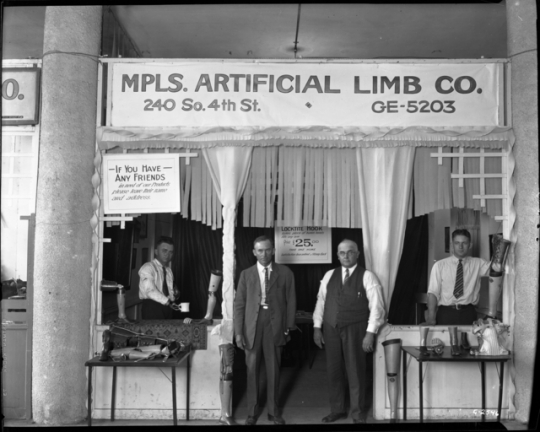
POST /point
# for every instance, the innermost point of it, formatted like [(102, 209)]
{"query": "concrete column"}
[(63, 248), (522, 52)]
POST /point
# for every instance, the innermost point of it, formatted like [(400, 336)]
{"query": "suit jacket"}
[(281, 300)]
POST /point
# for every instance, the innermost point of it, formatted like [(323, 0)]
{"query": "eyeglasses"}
[(347, 254)]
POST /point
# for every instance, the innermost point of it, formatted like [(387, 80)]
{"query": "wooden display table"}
[(172, 362), (414, 352)]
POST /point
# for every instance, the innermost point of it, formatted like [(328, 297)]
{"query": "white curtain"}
[(229, 168), (385, 177)]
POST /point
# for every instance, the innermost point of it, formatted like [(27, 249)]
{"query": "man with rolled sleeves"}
[(264, 313), (351, 306), (156, 285), (454, 284)]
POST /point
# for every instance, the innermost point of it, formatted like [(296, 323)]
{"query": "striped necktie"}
[(346, 276), (165, 287), (458, 289), (266, 285)]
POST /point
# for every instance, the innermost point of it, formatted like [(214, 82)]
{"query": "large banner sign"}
[(136, 183), (263, 94), (20, 96), (303, 245)]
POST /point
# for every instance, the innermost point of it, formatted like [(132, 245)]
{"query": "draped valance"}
[(315, 136)]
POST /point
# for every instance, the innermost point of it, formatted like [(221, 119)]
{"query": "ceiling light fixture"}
[(297, 28)]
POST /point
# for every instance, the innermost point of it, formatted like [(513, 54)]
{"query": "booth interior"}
[(198, 251)]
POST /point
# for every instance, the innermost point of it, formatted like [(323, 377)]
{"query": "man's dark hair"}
[(461, 231), (262, 238), (165, 239)]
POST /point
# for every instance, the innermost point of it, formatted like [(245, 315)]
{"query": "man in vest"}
[(351, 306)]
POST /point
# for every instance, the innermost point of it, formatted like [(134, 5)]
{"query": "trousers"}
[(263, 346), (346, 367)]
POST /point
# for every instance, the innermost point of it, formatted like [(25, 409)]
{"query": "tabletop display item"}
[(493, 337)]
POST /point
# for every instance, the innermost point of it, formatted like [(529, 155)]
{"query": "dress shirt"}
[(373, 292), (443, 280), (260, 269), (151, 282)]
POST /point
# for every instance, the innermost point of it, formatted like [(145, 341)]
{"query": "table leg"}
[(173, 369), (483, 369), (421, 391), (113, 397), (188, 383), (404, 385), (501, 378), (89, 396)]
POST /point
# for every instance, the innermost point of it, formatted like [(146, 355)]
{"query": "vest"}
[(346, 304)]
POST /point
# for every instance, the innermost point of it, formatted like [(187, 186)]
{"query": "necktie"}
[(266, 285), (346, 276), (165, 287), (458, 289)]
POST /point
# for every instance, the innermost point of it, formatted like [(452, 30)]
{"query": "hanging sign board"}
[(213, 94), (20, 96), (141, 183), (303, 245)]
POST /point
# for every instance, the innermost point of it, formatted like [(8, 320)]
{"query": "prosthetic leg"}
[(392, 358), (496, 273), (215, 280), (225, 384), (108, 286), (423, 340), (454, 341)]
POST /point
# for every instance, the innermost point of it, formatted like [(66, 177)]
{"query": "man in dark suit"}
[(264, 313), (350, 304)]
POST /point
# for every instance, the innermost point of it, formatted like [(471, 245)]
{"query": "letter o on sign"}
[(10, 92), (471, 86)]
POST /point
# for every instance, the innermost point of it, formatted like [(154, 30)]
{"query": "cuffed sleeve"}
[(321, 298), (375, 298)]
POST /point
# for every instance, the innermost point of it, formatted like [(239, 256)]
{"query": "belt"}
[(457, 306)]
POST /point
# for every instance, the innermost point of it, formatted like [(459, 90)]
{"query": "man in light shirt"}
[(351, 306), (264, 313), (156, 285), (454, 284)]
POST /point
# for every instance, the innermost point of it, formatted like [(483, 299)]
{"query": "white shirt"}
[(442, 280), (373, 292), (260, 269), (151, 282)]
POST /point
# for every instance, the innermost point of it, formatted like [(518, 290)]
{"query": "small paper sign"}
[(141, 183)]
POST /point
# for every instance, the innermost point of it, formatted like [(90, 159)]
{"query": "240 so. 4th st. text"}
[(189, 104)]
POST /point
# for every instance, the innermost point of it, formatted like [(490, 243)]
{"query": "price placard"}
[(303, 245)]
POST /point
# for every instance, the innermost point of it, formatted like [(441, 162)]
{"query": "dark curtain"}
[(412, 277), (307, 277), (198, 250)]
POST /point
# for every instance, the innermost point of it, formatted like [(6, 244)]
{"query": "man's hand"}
[(318, 337), (367, 343), (428, 322), (240, 342), (172, 305), (187, 320)]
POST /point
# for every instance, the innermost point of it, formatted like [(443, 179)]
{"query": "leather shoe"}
[(332, 417), (361, 419), (251, 421), (276, 419)]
